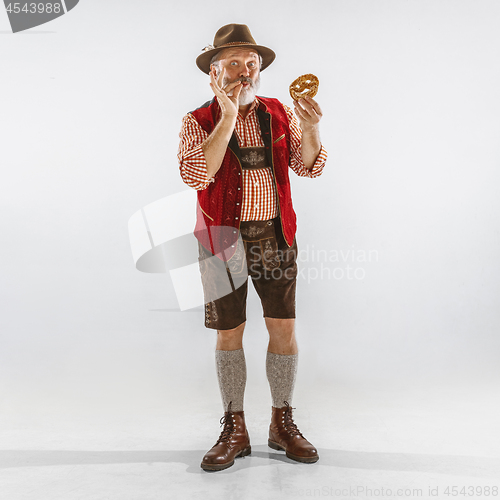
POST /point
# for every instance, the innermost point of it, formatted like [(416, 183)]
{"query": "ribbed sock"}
[(232, 375), (281, 370)]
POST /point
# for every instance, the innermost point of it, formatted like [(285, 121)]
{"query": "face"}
[(241, 65)]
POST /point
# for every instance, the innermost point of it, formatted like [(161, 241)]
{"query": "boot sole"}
[(306, 460), (216, 467)]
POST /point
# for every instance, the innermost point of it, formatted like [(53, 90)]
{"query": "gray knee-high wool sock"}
[(281, 370), (232, 375)]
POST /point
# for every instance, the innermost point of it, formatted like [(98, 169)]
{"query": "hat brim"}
[(203, 60)]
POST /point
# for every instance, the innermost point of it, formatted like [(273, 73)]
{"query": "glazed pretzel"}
[(305, 85)]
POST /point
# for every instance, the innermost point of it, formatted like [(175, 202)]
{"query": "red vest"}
[(218, 214)]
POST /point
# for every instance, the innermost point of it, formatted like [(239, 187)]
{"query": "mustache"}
[(245, 79), (242, 79)]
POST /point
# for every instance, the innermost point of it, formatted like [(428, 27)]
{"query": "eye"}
[(234, 63)]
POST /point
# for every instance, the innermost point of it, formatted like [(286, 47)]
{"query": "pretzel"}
[(305, 85)]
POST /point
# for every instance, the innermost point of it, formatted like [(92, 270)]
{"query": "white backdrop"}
[(91, 110)]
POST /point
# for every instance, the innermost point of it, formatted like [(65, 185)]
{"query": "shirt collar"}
[(254, 104)]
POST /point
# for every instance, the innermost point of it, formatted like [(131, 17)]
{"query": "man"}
[(236, 151)]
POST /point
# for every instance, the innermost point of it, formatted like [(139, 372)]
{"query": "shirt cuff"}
[(317, 168), (193, 167)]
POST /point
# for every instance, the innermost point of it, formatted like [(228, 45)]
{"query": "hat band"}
[(233, 43), (228, 44)]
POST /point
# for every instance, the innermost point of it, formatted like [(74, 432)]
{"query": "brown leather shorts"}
[(262, 254)]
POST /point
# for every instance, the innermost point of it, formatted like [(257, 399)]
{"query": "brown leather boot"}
[(284, 435), (233, 442)]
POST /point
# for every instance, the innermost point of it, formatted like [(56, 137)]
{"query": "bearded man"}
[(235, 150)]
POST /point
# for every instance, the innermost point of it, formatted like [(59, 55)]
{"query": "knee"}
[(282, 336), (231, 339), (284, 328)]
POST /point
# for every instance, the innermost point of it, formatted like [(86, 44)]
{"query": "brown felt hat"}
[(233, 35)]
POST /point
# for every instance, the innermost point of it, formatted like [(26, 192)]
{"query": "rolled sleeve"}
[(296, 163), (192, 163)]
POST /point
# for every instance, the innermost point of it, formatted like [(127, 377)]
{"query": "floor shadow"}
[(440, 464)]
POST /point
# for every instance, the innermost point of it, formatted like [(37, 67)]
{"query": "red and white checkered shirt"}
[(259, 197)]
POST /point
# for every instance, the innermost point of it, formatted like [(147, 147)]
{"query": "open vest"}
[(218, 214)]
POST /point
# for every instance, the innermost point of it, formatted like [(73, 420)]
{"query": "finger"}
[(309, 110), (219, 80), (231, 86), (305, 116), (213, 81), (299, 111), (217, 90), (315, 105), (300, 108), (237, 91), (306, 105)]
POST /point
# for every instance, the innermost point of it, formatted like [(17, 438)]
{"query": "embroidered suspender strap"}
[(253, 158)]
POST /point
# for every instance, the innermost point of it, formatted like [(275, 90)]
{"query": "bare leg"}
[(230, 340), (281, 336)]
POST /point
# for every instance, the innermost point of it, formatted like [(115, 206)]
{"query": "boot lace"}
[(290, 425), (227, 422)]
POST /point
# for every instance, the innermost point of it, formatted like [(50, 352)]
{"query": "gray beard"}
[(247, 95)]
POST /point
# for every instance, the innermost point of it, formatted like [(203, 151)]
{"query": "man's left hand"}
[(308, 112)]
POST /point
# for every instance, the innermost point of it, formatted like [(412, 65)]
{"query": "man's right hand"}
[(215, 145), (229, 104)]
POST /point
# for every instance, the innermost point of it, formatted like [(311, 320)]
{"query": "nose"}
[(244, 72)]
